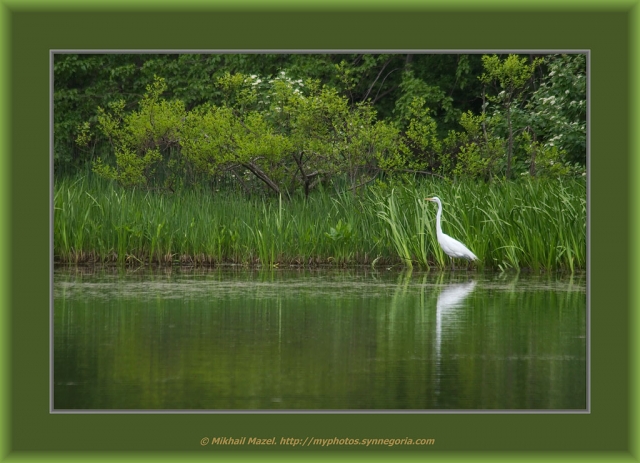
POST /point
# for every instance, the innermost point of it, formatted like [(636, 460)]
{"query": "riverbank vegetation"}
[(538, 224), (286, 159)]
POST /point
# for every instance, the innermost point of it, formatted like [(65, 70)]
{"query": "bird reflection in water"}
[(450, 299)]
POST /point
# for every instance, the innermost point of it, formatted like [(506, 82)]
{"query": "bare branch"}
[(376, 79)]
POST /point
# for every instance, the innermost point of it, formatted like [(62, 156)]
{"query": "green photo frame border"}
[(29, 29)]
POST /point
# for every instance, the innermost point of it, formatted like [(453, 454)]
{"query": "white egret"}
[(450, 246)]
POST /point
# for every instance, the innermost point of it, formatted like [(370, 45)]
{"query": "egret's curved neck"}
[(438, 215)]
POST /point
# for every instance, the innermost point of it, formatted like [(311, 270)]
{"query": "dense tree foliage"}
[(287, 122)]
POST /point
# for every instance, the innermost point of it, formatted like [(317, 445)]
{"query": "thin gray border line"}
[(51, 228), (588, 232), (53, 52), (322, 412), (470, 51)]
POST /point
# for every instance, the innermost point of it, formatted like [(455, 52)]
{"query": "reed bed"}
[(535, 224)]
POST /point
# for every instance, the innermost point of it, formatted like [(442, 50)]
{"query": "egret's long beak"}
[(428, 199)]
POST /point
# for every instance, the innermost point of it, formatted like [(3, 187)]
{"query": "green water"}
[(317, 340)]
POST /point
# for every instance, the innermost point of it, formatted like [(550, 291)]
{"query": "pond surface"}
[(317, 340)]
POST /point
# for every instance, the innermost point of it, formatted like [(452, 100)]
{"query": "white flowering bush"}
[(547, 124), (558, 108)]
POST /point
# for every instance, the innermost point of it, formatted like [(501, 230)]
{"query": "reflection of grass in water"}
[(79, 282), (536, 224), (281, 346)]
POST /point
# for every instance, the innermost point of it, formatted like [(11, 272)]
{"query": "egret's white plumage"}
[(450, 246)]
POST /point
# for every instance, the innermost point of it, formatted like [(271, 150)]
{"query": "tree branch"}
[(255, 170), (378, 95), (376, 79)]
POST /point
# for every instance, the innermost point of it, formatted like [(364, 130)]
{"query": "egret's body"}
[(450, 246)]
